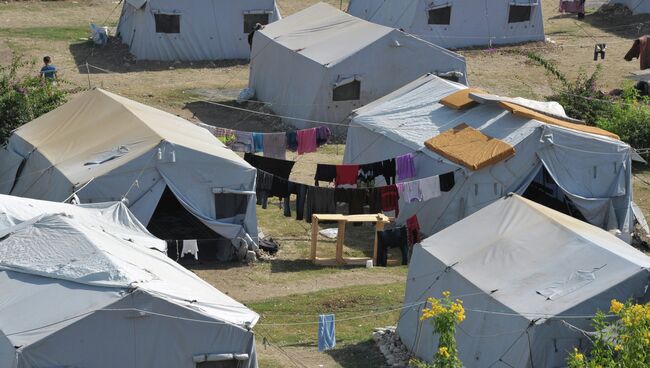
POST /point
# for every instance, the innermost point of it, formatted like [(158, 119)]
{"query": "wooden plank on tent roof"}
[(469, 147), (523, 112), (460, 100)]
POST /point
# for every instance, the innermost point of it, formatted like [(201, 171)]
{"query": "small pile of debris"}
[(614, 11), (390, 345)]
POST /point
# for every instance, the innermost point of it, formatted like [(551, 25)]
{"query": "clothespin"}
[(599, 50)]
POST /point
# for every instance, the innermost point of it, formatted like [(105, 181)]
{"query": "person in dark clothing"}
[(252, 34)]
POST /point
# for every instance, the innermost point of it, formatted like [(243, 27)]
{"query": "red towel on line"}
[(413, 230), (347, 175), (389, 198)]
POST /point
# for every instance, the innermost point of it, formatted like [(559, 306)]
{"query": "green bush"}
[(627, 115), (24, 97)]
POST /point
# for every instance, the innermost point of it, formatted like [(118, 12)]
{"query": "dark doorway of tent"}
[(545, 191), (174, 224)]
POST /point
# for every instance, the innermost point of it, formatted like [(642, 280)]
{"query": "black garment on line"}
[(325, 173), (320, 201), (281, 169), (447, 181), (355, 198), (263, 187), (300, 190), (389, 171), (393, 238)]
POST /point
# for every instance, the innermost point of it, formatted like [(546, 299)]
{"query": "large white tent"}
[(103, 147), (192, 29), (530, 279), (636, 6), (573, 166), (458, 23), (80, 286), (321, 63)]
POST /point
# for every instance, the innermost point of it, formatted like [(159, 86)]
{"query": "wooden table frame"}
[(379, 219)]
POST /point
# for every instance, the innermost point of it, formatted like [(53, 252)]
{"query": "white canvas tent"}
[(80, 287), (636, 6), (192, 29), (527, 275), (458, 23), (591, 172), (321, 63), (104, 147)]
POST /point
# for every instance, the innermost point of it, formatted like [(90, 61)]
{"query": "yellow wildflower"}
[(444, 352), (618, 347), (616, 306), (446, 293)]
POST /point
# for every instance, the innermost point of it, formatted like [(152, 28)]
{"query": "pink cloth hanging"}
[(307, 140)]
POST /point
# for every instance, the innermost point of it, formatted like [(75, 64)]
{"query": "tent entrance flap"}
[(172, 221), (545, 191)]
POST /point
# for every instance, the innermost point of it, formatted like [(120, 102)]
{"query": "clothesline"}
[(273, 145)]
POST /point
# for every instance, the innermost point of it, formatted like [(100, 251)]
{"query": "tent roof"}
[(553, 261), (413, 114), (325, 34), (98, 131), (92, 252), (114, 215)]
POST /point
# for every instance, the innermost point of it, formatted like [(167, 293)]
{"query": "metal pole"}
[(88, 74)]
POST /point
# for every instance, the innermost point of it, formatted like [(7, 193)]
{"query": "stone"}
[(251, 257)]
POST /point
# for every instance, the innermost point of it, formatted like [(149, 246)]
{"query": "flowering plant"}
[(622, 343)]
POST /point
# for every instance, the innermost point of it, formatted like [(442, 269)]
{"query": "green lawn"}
[(358, 310), (48, 33)]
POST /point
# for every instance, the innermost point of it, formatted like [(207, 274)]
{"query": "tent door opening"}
[(251, 19), (545, 191), (173, 223)]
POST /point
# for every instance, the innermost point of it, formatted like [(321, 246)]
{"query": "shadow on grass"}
[(232, 118), (620, 25), (115, 57), (364, 354)]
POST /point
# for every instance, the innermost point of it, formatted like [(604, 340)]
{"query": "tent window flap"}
[(440, 16), (251, 19), (228, 204), (168, 23), (347, 92), (519, 13)]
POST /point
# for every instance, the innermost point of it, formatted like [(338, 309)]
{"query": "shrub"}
[(444, 314), (622, 343), (627, 115), (24, 97)]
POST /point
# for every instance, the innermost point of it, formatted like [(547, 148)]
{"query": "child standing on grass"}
[(48, 71)]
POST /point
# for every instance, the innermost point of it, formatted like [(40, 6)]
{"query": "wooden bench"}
[(380, 221)]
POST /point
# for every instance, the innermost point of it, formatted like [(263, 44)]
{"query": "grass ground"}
[(288, 288)]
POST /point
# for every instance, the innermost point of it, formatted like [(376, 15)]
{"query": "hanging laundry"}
[(190, 247), (430, 187), (281, 170), (325, 173), (405, 166), (263, 187), (275, 145), (292, 141), (374, 200), (300, 190), (410, 191), (390, 199), (355, 198), (392, 238), (368, 173), (346, 175), (224, 134), (641, 50), (326, 332), (319, 200), (258, 142), (447, 181), (413, 230), (323, 135), (307, 141), (243, 142), (389, 171)]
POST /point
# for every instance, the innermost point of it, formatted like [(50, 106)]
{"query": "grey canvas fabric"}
[(526, 275)]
